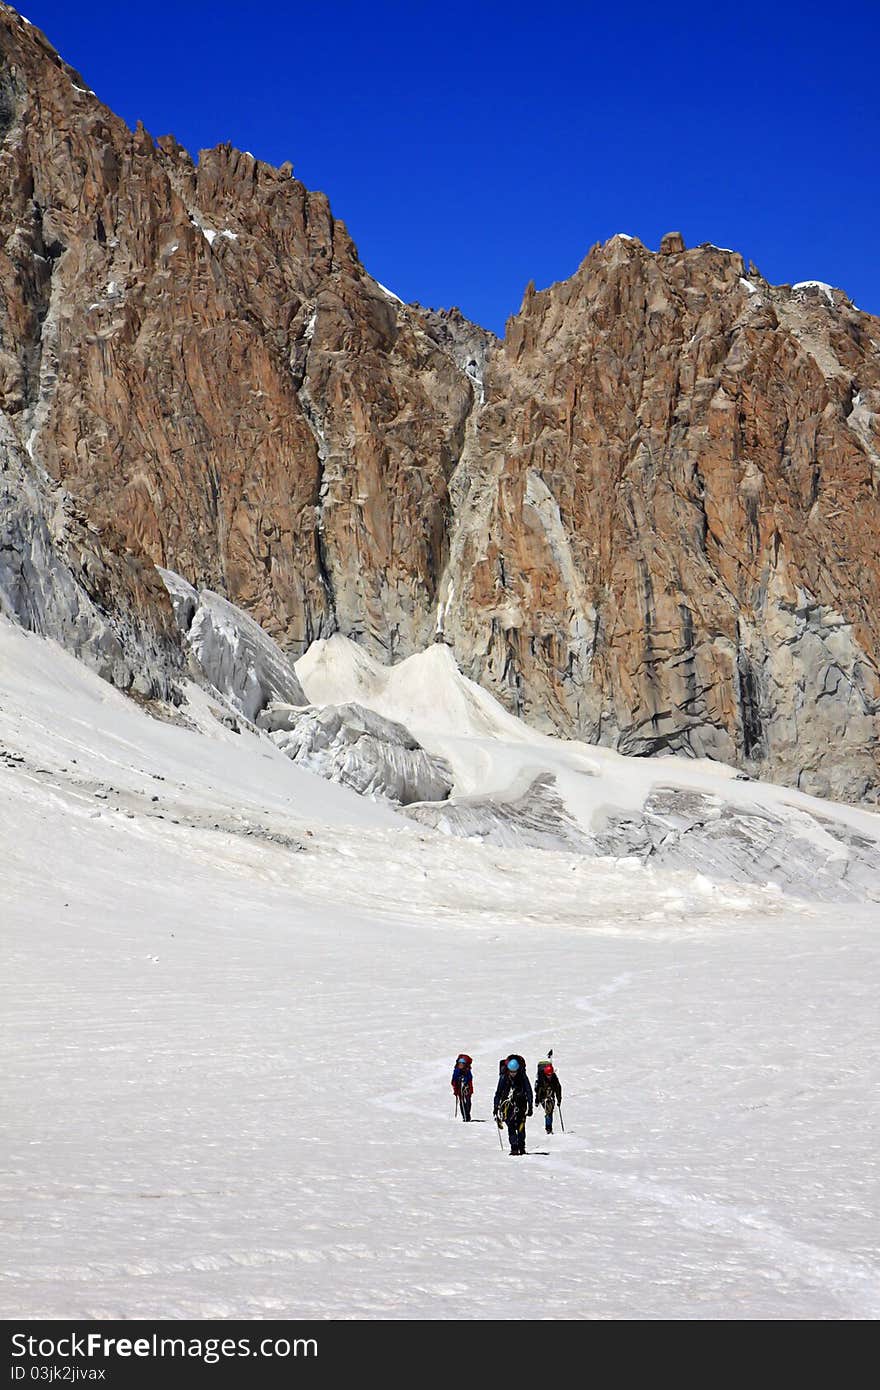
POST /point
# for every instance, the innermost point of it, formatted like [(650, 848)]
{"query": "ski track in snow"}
[(229, 1057)]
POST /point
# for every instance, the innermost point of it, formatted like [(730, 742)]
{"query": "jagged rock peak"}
[(671, 244)]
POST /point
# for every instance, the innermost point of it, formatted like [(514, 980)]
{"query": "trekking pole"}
[(500, 1140), (455, 1116), (561, 1121)]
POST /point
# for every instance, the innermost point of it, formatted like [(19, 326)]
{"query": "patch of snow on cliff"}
[(211, 235), (473, 374), (385, 290), (442, 608), (827, 290)]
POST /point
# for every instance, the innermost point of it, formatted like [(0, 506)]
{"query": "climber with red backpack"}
[(548, 1091), (463, 1085)]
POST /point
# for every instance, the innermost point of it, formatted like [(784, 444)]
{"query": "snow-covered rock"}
[(804, 855), (818, 287), (537, 819), (236, 656), (358, 748)]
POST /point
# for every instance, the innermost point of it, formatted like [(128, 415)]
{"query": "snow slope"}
[(228, 1034), (495, 753), (756, 831)]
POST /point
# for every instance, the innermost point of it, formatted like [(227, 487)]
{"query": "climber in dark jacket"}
[(548, 1092), (463, 1084), (514, 1102)]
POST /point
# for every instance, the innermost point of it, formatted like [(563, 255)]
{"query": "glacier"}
[(235, 990)]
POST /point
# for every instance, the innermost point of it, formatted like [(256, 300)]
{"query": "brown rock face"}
[(668, 554), (650, 517), (671, 244)]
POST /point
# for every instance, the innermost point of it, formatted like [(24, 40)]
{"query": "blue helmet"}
[(513, 1064)]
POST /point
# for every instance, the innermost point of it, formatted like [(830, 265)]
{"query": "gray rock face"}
[(56, 579), (468, 345), (806, 856), (807, 688), (807, 698), (360, 749), (233, 652)]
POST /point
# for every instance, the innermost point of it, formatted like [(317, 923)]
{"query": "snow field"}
[(229, 1058)]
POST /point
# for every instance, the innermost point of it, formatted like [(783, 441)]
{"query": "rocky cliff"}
[(648, 517), (666, 523)]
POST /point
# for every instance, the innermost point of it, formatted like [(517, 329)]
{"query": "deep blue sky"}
[(473, 147)]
